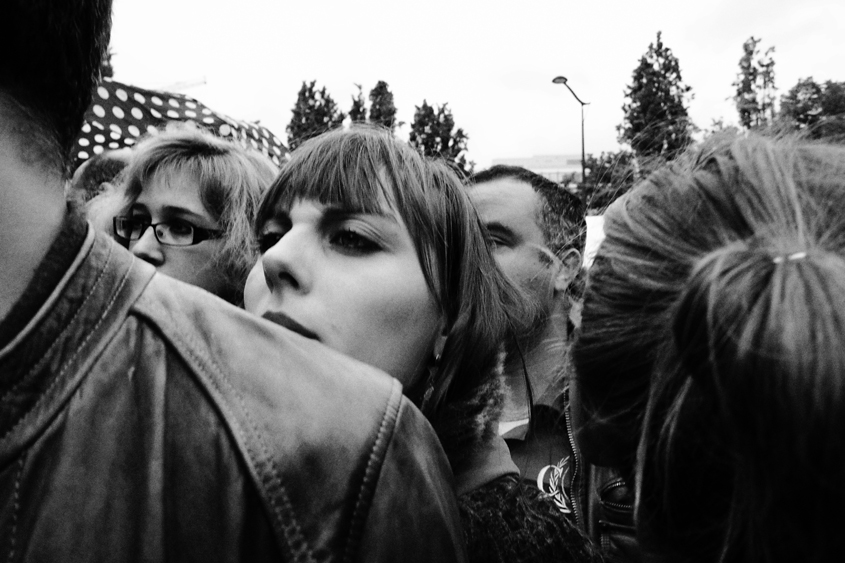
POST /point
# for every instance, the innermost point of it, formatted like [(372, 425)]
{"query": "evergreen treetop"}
[(315, 112), (656, 122)]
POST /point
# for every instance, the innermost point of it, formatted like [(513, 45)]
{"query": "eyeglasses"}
[(176, 232)]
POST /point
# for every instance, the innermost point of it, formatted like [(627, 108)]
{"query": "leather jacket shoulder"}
[(148, 420)]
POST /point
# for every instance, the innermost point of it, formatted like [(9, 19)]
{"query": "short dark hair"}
[(50, 55), (562, 217), (100, 168)]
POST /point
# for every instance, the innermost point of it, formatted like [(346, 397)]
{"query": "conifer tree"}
[(358, 112), (755, 86), (382, 108), (315, 112), (818, 110), (656, 121), (433, 133)]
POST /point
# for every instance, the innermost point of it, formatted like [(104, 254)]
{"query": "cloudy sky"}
[(492, 61)]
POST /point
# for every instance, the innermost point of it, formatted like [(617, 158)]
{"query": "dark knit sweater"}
[(503, 520), (506, 521)]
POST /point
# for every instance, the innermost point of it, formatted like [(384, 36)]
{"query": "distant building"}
[(556, 167), (595, 234)]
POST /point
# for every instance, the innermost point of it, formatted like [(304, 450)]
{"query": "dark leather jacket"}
[(602, 503), (145, 420)]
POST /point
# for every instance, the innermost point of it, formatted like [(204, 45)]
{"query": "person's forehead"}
[(173, 189), (506, 200)]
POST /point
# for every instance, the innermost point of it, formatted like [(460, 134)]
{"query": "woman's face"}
[(350, 280), (175, 199)]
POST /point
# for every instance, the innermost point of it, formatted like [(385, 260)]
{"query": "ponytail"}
[(733, 270)]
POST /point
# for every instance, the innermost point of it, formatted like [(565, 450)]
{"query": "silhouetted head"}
[(50, 55), (89, 179)]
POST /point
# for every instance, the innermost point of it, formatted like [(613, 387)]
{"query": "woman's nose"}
[(286, 263), (148, 248)]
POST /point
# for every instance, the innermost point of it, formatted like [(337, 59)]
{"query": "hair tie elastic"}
[(794, 256)]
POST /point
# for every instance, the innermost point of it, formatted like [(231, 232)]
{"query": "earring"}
[(439, 344), (429, 390)]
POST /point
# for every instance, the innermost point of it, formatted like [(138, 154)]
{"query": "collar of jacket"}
[(39, 366)]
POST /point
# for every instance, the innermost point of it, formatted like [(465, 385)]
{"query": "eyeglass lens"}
[(173, 233)]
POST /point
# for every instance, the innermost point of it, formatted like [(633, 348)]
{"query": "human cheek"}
[(517, 266), (209, 274), (256, 289), (191, 267), (407, 323), (508, 261)]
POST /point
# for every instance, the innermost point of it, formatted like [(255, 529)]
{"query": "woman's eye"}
[(268, 241), (495, 242), (350, 240), (181, 228)]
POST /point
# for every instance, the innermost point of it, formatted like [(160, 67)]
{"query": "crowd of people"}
[(362, 357)]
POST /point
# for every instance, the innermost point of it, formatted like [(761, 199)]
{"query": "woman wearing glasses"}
[(190, 202)]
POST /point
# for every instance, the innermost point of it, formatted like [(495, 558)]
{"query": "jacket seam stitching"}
[(375, 463), (79, 349), (292, 532), (64, 331), (16, 510)]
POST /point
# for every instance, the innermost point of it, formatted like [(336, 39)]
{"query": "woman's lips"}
[(283, 320)]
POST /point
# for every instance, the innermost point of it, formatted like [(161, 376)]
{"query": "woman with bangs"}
[(376, 252), (189, 202)]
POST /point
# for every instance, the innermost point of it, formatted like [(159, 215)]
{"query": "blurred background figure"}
[(188, 200), (377, 252), (710, 362), (96, 175), (537, 230)]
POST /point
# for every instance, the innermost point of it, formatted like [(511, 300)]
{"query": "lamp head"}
[(559, 80)]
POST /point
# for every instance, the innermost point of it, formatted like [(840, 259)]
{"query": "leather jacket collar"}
[(37, 365), (46, 277)]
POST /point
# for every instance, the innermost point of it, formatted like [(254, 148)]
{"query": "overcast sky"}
[(492, 61)]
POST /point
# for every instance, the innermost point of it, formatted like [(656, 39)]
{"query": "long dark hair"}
[(711, 351), (365, 168)]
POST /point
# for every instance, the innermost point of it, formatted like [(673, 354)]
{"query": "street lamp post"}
[(562, 80)]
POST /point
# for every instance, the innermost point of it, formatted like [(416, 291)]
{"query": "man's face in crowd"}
[(510, 209)]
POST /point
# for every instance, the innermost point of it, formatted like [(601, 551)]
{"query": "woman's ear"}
[(568, 267)]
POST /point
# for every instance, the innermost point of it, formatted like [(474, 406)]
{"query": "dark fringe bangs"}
[(361, 172)]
